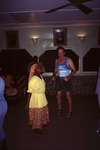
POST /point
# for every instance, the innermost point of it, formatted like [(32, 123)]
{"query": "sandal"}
[(69, 115), (59, 113)]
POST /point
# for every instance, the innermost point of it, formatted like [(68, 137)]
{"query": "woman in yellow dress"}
[(36, 101)]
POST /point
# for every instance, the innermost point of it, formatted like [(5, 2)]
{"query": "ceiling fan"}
[(77, 3)]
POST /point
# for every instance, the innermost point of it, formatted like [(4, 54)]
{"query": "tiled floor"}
[(76, 133)]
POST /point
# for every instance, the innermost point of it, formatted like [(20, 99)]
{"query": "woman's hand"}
[(28, 100), (26, 107)]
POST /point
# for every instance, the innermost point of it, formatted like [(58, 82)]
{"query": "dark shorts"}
[(62, 85)]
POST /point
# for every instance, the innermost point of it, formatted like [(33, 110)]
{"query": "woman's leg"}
[(99, 100)]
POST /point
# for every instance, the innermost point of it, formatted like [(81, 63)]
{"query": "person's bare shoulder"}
[(69, 61), (56, 61)]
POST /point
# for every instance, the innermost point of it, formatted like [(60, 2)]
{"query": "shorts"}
[(62, 85)]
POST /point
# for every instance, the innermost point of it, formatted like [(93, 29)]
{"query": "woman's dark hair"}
[(60, 47)]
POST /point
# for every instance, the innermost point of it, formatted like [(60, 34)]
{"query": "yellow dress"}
[(36, 86), (38, 108)]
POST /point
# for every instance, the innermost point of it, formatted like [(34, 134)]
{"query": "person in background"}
[(3, 111), (33, 65), (65, 69), (98, 93), (9, 81), (36, 101)]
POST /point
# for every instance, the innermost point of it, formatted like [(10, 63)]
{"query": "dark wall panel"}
[(14, 62), (91, 60)]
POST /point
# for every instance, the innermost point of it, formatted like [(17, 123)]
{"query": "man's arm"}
[(55, 70), (70, 64)]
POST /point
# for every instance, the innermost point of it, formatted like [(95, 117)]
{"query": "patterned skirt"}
[(38, 117)]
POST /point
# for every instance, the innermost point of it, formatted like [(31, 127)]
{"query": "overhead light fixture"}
[(81, 38), (35, 40)]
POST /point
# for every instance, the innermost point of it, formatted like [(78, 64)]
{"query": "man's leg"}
[(59, 102), (98, 128), (99, 100), (68, 94)]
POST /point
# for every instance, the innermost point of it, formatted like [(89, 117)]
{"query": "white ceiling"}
[(31, 13)]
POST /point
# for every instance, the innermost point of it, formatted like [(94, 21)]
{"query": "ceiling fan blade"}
[(83, 8), (79, 1), (83, 1), (52, 10)]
